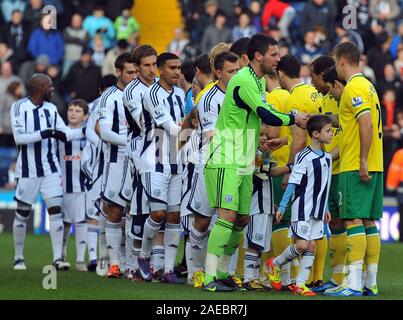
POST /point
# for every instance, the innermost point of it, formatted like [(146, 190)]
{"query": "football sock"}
[(129, 253), (66, 236), (338, 254), (234, 262), (122, 250), (189, 260), (171, 244), (81, 241), (287, 256), (223, 267), (113, 235), (92, 241), (372, 255), (103, 251), (56, 230), (305, 266), (158, 257), (320, 257), (151, 228), (356, 247), (198, 243), (19, 231), (251, 266)]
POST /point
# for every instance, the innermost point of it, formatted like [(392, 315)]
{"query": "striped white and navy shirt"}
[(208, 108), (37, 157), (113, 125), (70, 153), (92, 160), (312, 174), (160, 150), (133, 102)]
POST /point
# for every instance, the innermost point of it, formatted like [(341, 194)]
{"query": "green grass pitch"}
[(83, 285)]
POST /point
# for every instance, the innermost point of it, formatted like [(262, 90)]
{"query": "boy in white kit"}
[(73, 205), (309, 184)]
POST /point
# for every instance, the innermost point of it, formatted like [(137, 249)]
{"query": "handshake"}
[(52, 133), (301, 119)]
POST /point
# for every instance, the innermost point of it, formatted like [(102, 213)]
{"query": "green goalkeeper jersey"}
[(236, 137)]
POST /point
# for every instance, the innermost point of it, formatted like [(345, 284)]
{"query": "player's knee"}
[(368, 223), (23, 209), (242, 221), (54, 205), (301, 246), (201, 224), (172, 217), (336, 223), (158, 215)]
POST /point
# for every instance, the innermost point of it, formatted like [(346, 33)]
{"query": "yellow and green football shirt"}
[(205, 89), (278, 98), (331, 107), (303, 98), (359, 96)]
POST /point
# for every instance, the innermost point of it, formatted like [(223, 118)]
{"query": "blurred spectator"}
[(244, 27), (363, 20), (385, 11), (33, 14), (232, 13), (11, 181), (397, 41), (277, 34), (45, 40), (398, 64), (196, 88), (83, 79), (318, 12), (321, 40), (185, 82), (389, 81), (282, 12), (7, 77), (216, 33), (108, 66), (305, 74), (179, 43), (98, 50), (378, 54), (6, 54), (366, 70), (53, 71), (255, 8), (15, 34), (8, 6), (98, 23), (114, 7), (28, 68), (204, 20), (309, 51), (13, 92), (350, 34), (126, 24), (75, 39)]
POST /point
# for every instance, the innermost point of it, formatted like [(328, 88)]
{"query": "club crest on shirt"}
[(136, 229), (258, 236), (357, 101), (197, 205), (228, 198), (157, 192)]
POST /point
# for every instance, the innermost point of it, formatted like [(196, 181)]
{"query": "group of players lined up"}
[(145, 173)]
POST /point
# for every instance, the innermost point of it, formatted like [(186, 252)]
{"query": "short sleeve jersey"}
[(359, 97), (237, 130)]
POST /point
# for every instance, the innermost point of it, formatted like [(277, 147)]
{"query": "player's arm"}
[(280, 171), (105, 126), (64, 133), (90, 133), (208, 118), (365, 127), (18, 124), (134, 108)]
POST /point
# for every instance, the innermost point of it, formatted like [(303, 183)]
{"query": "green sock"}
[(217, 242), (234, 240)]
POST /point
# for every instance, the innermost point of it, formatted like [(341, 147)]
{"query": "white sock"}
[(19, 232), (285, 274), (92, 240), (233, 263), (372, 270), (286, 256), (66, 237), (250, 266), (189, 259), (258, 263), (158, 257), (198, 244), (81, 241), (150, 230), (56, 230), (224, 264), (113, 235), (211, 264), (305, 266), (122, 251), (171, 244), (129, 253), (340, 268), (136, 254), (354, 277), (103, 251)]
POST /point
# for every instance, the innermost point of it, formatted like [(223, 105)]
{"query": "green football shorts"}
[(227, 189), (361, 200)]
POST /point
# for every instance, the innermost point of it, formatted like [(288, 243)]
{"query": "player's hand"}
[(328, 217), (301, 120), (279, 216), (276, 143), (364, 174), (59, 135)]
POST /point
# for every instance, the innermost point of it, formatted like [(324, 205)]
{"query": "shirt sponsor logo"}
[(72, 158)]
